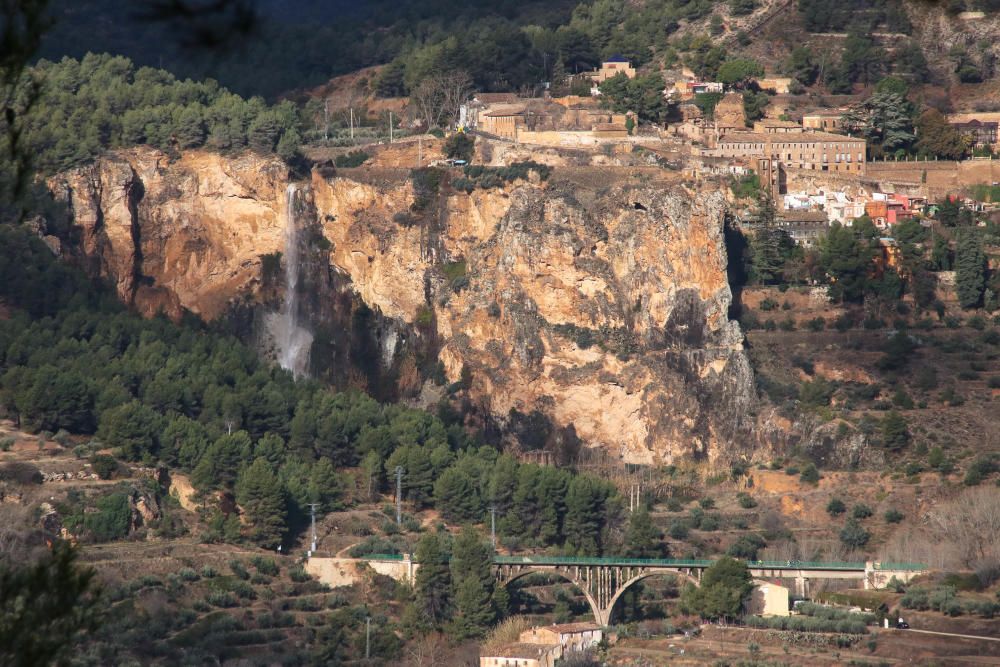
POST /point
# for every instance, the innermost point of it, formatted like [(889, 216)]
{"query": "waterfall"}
[(291, 338)]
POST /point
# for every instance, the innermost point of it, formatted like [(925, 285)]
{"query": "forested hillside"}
[(104, 101), (72, 359)]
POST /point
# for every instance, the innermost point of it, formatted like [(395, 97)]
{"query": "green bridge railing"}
[(679, 562)]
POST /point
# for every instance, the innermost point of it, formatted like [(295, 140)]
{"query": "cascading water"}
[(292, 340)]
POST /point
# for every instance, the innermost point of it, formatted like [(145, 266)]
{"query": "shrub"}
[(187, 574), (894, 516), (835, 507), (104, 465), (853, 535), (678, 530), (768, 304), (460, 146), (746, 501), (746, 546), (810, 474), (223, 599), (707, 503), (20, 472), (239, 569), (265, 566), (861, 511), (112, 519), (299, 575), (816, 324), (208, 572), (352, 159)]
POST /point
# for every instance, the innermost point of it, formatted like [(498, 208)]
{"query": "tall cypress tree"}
[(472, 581), (262, 497), (433, 579), (970, 269)]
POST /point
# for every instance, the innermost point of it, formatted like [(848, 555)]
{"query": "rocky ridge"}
[(596, 300)]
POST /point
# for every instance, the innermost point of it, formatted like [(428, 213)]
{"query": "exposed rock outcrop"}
[(597, 299)]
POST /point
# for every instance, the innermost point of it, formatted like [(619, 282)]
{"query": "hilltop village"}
[(534, 333), (820, 159)]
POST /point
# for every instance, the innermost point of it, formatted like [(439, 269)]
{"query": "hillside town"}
[(813, 161), (534, 333)]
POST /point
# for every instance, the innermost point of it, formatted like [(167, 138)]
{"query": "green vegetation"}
[(352, 159), (204, 404), (725, 587), (478, 176), (460, 146), (103, 102), (46, 608), (642, 95)]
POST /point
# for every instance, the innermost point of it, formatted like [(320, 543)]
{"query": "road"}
[(952, 634)]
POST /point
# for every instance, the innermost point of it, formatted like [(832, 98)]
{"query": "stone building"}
[(613, 66), (819, 151), (502, 121), (772, 126), (729, 112), (769, 600), (823, 121), (522, 654), (569, 636)]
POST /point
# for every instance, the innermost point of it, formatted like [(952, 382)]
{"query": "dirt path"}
[(954, 634)]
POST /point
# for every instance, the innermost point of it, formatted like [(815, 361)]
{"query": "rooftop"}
[(796, 138), (571, 627), (773, 122), (520, 650), (496, 98), (824, 112), (802, 216), (506, 110)]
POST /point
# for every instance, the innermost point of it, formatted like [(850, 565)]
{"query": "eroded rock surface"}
[(598, 298)]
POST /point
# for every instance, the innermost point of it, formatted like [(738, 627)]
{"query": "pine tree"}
[(433, 583), (132, 427), (970, 269), (218, 467), (643, 539), (475, 612), (456, 497), (583, 517), (260, 493), (473, 584)]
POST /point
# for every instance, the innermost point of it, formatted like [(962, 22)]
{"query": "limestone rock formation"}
[(172, 233), (597, 299)]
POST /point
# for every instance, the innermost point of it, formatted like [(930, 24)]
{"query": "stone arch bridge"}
[(604, 580)]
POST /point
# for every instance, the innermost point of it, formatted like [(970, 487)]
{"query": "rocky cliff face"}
[(176, 233), (596, 300)]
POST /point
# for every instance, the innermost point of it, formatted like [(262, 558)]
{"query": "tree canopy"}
[(102, 101)]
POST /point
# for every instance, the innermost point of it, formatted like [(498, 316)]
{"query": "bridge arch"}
[(594, 607), (645, 575)]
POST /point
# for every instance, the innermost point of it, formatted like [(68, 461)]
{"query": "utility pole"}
[(352, 125), (368, 637), (390, 127), (493, 526), (312, 511), (399, 495)]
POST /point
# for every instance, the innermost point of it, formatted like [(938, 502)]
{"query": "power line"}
[(312, 511), (399, 495)]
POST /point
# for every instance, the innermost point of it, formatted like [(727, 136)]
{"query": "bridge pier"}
[(801, 587)]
